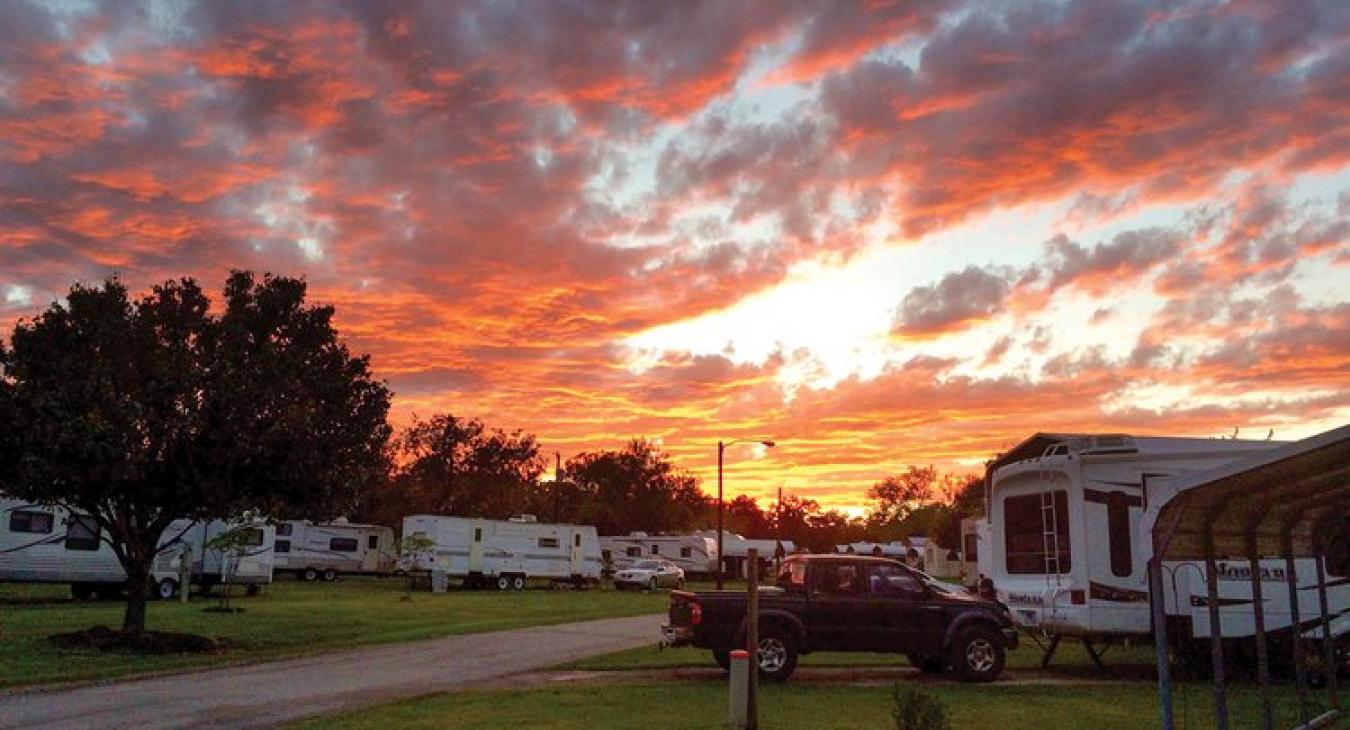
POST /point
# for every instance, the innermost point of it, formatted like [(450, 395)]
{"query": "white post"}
[(739, 686)]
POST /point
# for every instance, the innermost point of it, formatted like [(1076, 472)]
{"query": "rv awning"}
[(1301, 489)]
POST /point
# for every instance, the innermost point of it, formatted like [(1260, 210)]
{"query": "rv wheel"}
[(310, 575), (81, 591), (167, 589), (253, 590), (329, 575), (518, 583), (503, 583)]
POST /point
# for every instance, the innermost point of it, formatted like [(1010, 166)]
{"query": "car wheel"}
[(167, 589), (926, 663), (503, 583), (777, 653), (977, 654), (518, 583), (329, 575), (723, 659), (310, 575)]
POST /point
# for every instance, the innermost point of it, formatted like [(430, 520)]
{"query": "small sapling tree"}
[(232, 544), (412, 548)]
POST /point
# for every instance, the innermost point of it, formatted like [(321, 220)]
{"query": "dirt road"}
[(270, 694)]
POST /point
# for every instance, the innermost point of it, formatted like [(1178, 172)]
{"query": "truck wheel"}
[(926, 663), (977, 654), (777, 653), (723, 659), (518, 583), (503, 583), (329, 575), (310, 575), (167, 589)]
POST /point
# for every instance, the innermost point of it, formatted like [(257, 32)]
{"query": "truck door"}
[(578, 560), (836, 611), (476, 550), (903, 616)]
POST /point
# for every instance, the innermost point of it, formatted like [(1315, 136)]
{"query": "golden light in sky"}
[(881, 234)]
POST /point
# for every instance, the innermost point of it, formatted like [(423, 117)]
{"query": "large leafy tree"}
[(136, 413), (637, 488), (457, 466)]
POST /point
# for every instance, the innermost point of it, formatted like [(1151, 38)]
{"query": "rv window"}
[(1338, 555), (686, 552), (633, 552), (253, 537), (972, 548), (81, 533), (548, 542), (1025, 538), (343, 545), (284, 529), (576, 539), (1118, 534), (477, 534), (373, 542), (25, 521), (283, 546), (656, 550)]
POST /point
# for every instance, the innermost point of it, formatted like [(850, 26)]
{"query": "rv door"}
[(476, 549), (578, 560)]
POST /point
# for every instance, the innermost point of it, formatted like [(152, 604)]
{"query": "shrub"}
[(915, 710)]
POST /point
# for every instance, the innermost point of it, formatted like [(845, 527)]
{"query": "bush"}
[(915, 710)]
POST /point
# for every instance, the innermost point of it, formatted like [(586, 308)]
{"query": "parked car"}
[(650, 574), (850, 603)]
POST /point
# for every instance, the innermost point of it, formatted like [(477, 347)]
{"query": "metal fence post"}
[(1295, 627), (1215, 633), (1259, 615), (737, 687), (1158, 600)]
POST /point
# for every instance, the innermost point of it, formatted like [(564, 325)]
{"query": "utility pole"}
[(720, 527), (557, 482)]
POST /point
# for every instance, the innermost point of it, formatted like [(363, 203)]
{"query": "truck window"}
[(890, 580), (792, 574), (1023, 533), (836, 578)]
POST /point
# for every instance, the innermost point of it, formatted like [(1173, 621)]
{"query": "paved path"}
[(273, 693)]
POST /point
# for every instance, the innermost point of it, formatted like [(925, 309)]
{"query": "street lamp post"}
[(722, 447)]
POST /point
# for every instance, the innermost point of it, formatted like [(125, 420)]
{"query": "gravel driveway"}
[(273, 693)]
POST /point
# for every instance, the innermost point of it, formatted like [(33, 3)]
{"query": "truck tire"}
[(167, 589), (777, 655), (723, 659), (309, 575), (926, 663), (977, 654)]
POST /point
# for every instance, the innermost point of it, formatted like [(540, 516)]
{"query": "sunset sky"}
[(879, 233)]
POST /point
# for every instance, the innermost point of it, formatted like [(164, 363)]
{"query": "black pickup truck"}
[(850, 603)]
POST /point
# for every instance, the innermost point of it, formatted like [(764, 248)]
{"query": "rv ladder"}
[(1049, 524)]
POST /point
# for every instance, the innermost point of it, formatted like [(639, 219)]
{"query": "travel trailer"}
[(42, 544), (696, 554), (974, 550), (325, 551), (1067, 552), (506, 553), (941, 561)]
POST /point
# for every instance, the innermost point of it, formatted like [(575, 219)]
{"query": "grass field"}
[(289, 619), (794, 706)]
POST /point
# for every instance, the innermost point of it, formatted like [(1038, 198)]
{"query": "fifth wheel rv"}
[(42, 544), (1065, 550), (506, 554)]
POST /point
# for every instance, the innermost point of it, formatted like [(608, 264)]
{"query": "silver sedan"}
[(650, 574)]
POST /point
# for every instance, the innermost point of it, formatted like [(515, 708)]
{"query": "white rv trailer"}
[(696, 554), (975, 555), (44, 544), (325, 551), (1067, 551), (507, 553)]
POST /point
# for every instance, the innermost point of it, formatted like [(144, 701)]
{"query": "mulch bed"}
[(104, 639)]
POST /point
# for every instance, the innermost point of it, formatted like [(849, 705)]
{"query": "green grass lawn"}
[(290, 618), (795, 705)]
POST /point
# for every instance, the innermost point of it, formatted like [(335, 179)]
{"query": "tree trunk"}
[(138, 589)]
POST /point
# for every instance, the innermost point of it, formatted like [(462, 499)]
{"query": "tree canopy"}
[(636, 488), (138, 412)]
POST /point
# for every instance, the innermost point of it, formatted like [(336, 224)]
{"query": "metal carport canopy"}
[(1302, 488)]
